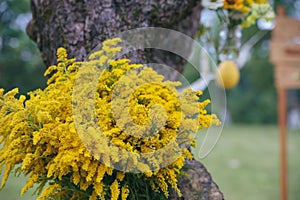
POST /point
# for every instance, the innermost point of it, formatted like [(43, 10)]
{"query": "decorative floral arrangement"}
[(242, 12), (39, 136), (220, 33)]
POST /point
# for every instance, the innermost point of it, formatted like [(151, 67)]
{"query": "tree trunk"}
[(80, 25)]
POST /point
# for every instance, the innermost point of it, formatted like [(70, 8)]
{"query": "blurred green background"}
[(20, 61), (245, 162)]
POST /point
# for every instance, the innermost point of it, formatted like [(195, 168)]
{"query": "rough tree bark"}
[(80, 25)]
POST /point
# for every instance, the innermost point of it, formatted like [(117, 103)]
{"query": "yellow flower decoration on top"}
[(233, 4), (242, 12)]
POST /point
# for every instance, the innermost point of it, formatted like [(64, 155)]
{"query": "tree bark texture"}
[(81, 25), (198, 184)]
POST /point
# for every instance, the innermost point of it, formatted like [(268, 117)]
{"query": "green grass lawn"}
[(244, 163)]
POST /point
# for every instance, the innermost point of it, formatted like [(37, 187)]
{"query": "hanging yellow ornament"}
[(228, 74)]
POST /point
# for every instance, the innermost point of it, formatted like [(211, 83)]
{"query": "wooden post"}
[(283, 142)]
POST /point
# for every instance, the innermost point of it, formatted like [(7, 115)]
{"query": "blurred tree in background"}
[(255, 100), (20, 61)]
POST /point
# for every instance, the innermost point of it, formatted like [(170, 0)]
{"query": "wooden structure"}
[(285, 54)]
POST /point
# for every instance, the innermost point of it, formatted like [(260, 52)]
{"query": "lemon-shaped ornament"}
[(228, 74)]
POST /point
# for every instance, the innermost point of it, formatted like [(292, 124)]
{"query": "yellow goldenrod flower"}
[(125, 192), (39, 136), (115, 191)]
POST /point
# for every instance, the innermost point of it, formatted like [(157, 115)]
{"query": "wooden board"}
[(285, 51), (285, 28), (287, 76)]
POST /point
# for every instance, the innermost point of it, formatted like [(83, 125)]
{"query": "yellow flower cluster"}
[(137, 112), (241, 5), (245, 12)]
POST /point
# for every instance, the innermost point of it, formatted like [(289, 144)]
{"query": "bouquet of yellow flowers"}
[(127, 138), (244, 12)]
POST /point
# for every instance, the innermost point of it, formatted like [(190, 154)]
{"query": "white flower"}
[(212, 4)]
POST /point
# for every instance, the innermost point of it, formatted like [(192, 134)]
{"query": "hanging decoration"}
[(220, 32)]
